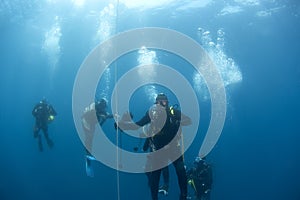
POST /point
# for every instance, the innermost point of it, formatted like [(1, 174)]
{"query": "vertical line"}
[(116, 109)]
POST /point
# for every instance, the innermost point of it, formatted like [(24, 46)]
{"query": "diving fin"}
[(88, 167), (90, 157)]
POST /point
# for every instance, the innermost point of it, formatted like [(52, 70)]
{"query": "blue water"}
[(254, 44)]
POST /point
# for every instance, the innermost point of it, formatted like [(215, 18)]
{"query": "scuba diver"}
[(44, 113), (164, 123), (200, 178), (93, 114)]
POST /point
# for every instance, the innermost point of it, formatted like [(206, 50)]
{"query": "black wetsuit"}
[(41, 112), (159, 141), (201, 176)]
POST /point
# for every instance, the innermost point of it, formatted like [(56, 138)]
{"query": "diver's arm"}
[(130, 125), (145, 120), (34, 111), (52, 111), (127, 125), (103, 117)]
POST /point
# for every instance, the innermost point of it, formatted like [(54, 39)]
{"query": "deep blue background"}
[(257, 156)]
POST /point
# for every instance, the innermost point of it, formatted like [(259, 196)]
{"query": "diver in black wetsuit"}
[(200, 178), (44, 113), (161, 140)]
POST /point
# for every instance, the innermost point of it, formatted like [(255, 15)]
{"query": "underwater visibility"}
[(154, 100)]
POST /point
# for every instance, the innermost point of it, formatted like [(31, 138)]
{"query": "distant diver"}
[(44, 114)]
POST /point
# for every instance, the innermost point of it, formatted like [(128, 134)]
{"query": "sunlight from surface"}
[(230, 10), (195, 4), (182, 5), (248, 2), (78, 3), (145, 3)]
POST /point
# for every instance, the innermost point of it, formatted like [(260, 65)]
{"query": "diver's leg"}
[(49, 141), (40, 145), (148, 169), (89, 136), (88, 167), (36, 134), (164, 189), (36, 130), (154, 183), (148, 174), (166, 176), (181, 176), (206, 195)]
